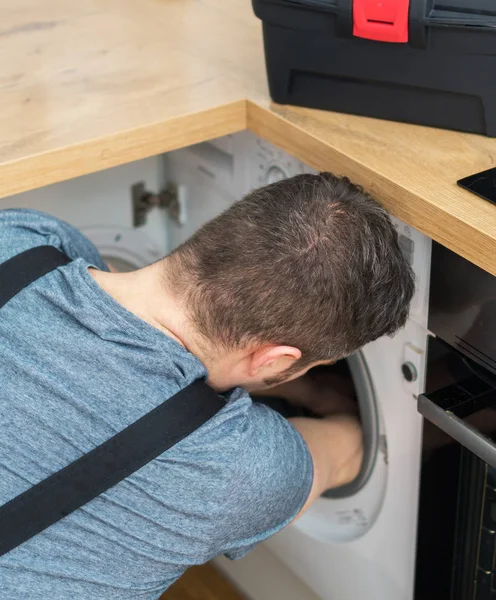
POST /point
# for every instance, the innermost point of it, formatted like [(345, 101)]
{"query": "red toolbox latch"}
[(381, 20)]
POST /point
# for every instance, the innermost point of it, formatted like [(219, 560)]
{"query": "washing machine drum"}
[(123, 248)]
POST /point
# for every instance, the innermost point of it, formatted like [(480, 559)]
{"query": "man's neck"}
[(144, 294), (148, 294)]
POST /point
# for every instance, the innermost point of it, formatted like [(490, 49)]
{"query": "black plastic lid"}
[(455, 13)]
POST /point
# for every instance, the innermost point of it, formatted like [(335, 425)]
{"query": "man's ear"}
[(271, 359)]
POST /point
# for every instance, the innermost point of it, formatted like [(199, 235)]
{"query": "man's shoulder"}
[(263, 447), (25, 228)]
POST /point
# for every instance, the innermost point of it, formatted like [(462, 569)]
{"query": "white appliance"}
[(355, 545)]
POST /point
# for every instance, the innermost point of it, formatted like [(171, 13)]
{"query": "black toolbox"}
[(431, 62)]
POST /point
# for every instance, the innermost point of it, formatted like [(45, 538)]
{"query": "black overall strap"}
[(103, 467), (21, 270)]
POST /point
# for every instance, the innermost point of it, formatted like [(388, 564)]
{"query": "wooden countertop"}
[(89, 85)]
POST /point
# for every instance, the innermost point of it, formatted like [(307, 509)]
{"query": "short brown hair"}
[(311, 262)]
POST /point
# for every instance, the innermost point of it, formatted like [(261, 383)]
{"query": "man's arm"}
[(336, 446)]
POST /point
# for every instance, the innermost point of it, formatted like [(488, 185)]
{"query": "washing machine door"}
[(348, 512), (124, 248)]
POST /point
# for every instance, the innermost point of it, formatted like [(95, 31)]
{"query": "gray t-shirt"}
[(76, 368)]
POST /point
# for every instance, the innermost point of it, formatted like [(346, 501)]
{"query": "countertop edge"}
[(38, 170)]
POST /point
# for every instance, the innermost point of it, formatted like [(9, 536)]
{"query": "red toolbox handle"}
[(381, 20)]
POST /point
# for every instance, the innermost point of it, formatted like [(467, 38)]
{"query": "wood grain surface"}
[(89, 85), (202, 583)]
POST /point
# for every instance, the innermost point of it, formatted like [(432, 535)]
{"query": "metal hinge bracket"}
[(143, 201)]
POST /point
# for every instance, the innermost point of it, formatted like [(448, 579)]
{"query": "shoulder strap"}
[(21, 270), (106, 465), (94, 473)]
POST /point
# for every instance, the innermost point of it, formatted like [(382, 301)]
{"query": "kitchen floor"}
[(202, 583)]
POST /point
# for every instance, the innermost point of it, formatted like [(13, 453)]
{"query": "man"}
[(299, 273)]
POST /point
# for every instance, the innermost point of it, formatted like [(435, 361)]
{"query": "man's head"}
[(300, 272)]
